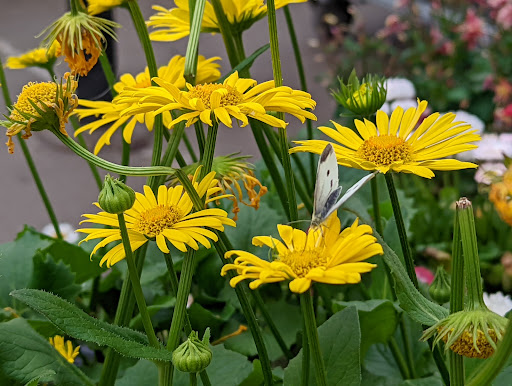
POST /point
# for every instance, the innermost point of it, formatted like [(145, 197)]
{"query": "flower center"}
[(153, 221), (385, 149), (465, 346), (45, 92), (143, 82), (301, 262), (229, 95)]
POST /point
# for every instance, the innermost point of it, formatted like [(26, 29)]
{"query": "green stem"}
[(493, 366), (193, 379), (189, 147), (209, 149), (172, 148), (142, 32), (406, 250), (193, 42), (399, 358), (456, 361), (303, 85), (137, 288), (225, 30), (306, 305), (470, 252), (283, 139), (304, 380), (270, 164), (198, 126), (110, 166), (222, 246), (266, 315), (408, 351), (187, 271), (188, 327), (123, 315), (30, 160), (239, 45), (376, 205), (180, 160)]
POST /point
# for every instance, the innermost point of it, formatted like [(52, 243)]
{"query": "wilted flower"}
[(231, 173), (81, 38), (41, 106)]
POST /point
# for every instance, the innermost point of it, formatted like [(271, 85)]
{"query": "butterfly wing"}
[(350, 192), (327, 190)]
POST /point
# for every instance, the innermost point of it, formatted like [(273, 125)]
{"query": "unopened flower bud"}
[(193, 355), (115, 197), (440, 288)]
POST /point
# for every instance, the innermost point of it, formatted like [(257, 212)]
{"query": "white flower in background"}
[(400, 88), (488, 172), (492, 147), (475, 122), (400, 92), (498, 303), (67, 231)]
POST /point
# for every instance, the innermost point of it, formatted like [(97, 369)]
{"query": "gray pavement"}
[(67, 177)]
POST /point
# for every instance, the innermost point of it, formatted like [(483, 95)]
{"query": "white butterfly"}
[(327, 190)]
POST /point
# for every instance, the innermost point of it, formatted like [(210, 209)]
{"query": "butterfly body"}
[(327, 190)]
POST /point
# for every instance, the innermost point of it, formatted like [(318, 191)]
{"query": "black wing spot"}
[(328, 172), (331, 183), (328, 149)]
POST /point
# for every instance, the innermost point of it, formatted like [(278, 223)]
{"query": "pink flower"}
[(502, 91), (394, 27), (504, 17), (503, 117), (472, 29), (436, 35), (488, 83), (447, 48), (424, 275), (401, 3)]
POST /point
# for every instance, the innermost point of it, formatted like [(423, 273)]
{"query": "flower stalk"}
[(306, 305), (30, 160), (402, 234)]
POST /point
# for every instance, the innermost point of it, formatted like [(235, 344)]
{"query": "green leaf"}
[(25, 355), (44, 376), (16, 263), (429, 381), (340, 340), (53, 277), (411, 300), (143, 373), (377, 319), (136, 322), (79, 325)]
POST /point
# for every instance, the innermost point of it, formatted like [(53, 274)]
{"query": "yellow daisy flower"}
[(110, 112), (326, 255), (174, 24), (95, 7), (40, 106), (501, 196), (65, 348), (166, 217), (397, 143), (81, 38), (38, 57), (237, 98)]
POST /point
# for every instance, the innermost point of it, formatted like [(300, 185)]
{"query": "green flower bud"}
[(115, 197), (193, 355), (362, 97), (440, 288)]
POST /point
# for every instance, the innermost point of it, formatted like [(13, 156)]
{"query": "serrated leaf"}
[(79, 325), (25, 355), (377, 319), (45, 376), (411, 300), (340, 340)]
